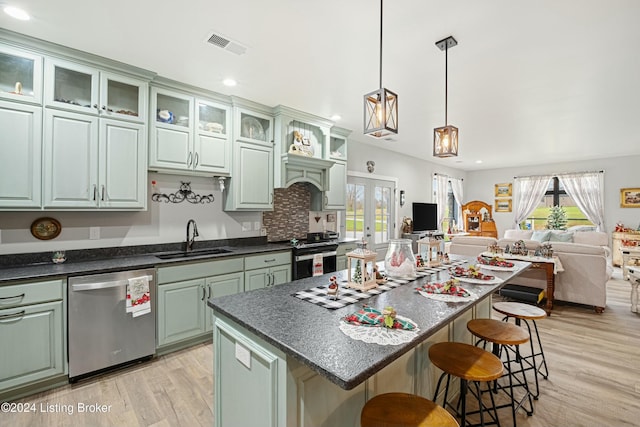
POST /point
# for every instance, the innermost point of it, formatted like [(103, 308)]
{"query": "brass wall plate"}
[(46, 228)]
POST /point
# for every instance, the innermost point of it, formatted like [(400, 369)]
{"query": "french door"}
[(371, 211)]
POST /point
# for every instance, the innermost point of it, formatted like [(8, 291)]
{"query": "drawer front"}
[(31, 293), (267, 260), (197, 270), (345, 247)]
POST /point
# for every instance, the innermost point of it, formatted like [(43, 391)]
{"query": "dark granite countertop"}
[(285, 321), (92, 261)]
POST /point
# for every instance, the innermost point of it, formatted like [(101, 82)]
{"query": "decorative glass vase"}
[(399, 262)]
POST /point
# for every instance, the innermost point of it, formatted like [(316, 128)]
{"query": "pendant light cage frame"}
[(381, 106), (445, 138)]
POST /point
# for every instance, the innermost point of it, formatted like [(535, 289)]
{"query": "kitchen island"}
[(282, 361)]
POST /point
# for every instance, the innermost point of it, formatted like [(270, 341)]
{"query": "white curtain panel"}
[(458, 193), (527, 193), (441, 197), (586, 190)]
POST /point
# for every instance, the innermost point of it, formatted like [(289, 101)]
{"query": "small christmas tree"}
[(557, 219), (357, 274)]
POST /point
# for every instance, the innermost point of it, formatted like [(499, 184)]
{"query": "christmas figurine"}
[(379, 277), (332, 290)]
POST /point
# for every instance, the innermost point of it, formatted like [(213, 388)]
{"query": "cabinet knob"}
[(95, 106), (104, 107)]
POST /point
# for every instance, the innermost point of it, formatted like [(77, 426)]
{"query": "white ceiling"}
[(529, 82)]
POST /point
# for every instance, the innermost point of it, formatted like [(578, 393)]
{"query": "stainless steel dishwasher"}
[(104, 331)]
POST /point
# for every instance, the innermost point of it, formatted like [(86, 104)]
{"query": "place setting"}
[(472, 274), (383, 327), (448, 291)]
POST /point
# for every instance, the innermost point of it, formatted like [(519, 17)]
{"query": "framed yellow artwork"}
[(503, 190), (630, 197), (503, 205)]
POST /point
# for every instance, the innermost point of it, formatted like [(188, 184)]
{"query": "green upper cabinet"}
[(20, 158), (251, 184), (93, 163), (189, 134), (20, 75), (88, 90)]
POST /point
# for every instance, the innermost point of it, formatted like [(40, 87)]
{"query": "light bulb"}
[(378, 113)]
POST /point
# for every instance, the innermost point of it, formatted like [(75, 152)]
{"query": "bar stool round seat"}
[(404, 410), (521, 312), (469, 364), (498, 332)]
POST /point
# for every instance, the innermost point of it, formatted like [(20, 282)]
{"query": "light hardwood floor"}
[(594, 363)]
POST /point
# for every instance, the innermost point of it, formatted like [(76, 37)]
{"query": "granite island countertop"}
[(310, 334)]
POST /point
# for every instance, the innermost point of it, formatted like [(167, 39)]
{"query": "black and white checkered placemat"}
[(348, 296)]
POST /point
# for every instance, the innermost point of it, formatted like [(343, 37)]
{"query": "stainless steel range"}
[(317, 245)]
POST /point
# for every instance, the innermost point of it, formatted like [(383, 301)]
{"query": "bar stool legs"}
[(520, 312), (505, 339), (469, 364)]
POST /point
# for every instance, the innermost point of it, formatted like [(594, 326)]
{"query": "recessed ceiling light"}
[(335, 117), (478, 161), (229, 82), (16, 13)]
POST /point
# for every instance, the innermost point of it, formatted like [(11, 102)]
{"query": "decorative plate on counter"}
[(46, 228)]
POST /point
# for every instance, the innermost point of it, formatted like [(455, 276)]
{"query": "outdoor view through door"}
[(370, 212)]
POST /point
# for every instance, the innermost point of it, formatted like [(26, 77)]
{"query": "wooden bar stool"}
[(404, 410), (525, 312), (508, 337), (468, 363)]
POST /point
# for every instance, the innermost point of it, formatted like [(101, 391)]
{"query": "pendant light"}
[(380, 106), (445, 138)]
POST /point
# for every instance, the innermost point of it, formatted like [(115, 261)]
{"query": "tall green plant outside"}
[(557, 219)]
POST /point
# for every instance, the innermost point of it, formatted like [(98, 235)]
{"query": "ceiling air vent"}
[(226, 43)]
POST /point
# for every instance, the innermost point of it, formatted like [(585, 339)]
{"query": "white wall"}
[(620, 172), (161, 223), (414, 175)]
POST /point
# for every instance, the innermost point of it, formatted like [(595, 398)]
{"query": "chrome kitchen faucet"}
[(190, 240)]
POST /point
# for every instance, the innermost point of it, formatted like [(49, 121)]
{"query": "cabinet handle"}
[(269, 282), (189, 159), (195, 162), (209, 293), (104, 107), (102, 191), (95, 192), (13, 315), (204, 293), (326, 200), (270, 260), (95, 106), (17, 296), (270, 198)]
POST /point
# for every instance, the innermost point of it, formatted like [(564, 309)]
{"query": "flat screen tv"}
[(425, 217)]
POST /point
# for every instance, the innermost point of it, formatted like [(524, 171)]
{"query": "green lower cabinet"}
[(266, 277), (33, 346), (219, 286), (181, 310), (341, 263)]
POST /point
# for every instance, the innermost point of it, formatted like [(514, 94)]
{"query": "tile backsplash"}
[(292, 216)]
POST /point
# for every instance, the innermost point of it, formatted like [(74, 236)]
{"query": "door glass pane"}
[(354, 225), (382, 214), (122, 98), (173, 110), (72, 87), (14, 69), (254, 127), (211, 119)]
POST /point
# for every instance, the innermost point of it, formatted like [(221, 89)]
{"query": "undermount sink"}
[(193, 253)]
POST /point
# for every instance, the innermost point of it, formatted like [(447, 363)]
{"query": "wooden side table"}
[(630, 258)]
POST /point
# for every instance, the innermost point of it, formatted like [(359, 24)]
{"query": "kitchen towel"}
[(138, 297), (318, 268)]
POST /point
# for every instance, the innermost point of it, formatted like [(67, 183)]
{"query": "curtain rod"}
[(557, 174), (442, 174)]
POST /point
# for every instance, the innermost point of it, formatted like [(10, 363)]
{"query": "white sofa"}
[(586, 261)]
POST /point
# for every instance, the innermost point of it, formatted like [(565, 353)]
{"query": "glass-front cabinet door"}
[(254, 127), (123, 97), (212, 144), (20, 75), (71, 86), (212, 118)]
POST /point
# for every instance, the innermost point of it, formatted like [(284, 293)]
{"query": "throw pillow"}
[(518, 234), (541, 235), (561, 236)]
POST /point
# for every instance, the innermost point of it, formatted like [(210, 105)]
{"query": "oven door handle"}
[(310, 256)]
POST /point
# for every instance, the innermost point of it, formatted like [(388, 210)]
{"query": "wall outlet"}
[(246, 226), (94, 233), (263, 231), (256, 225)]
